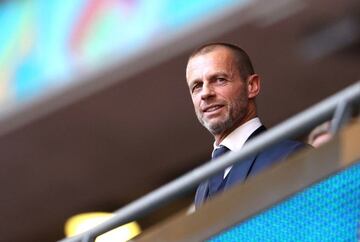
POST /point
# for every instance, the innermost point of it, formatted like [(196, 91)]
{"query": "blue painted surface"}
[(327, 211)]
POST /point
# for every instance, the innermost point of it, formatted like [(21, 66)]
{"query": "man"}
[(223, 87)]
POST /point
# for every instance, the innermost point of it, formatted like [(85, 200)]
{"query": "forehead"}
[(219, 59)]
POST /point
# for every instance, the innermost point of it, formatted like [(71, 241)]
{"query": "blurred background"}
[(94, 106)]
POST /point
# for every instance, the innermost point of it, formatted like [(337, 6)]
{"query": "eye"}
[(221, 80), (196, 87)]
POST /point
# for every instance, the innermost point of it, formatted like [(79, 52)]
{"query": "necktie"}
[(220, 151), (217, 180)]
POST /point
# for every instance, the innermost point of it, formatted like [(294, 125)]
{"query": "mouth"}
[(212, 108)]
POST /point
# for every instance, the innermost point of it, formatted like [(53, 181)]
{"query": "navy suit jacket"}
[(254, 164)]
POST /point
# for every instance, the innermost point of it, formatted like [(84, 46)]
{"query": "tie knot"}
[(220, 151)]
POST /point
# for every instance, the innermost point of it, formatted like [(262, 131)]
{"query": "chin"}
[(216, 128)]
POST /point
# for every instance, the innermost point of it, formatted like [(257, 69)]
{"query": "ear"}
[(253, 84)]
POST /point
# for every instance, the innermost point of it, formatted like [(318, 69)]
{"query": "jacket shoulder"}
[(277, 152)]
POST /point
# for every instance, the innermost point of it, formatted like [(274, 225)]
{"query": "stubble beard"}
[(233, 118)]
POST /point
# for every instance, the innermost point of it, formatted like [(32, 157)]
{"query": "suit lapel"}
[(201, 194), (215, 183), (241, 170)]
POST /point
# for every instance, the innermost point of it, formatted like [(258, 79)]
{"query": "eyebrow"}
[(217, 74)]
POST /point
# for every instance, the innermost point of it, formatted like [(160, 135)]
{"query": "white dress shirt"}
[(236, 139)]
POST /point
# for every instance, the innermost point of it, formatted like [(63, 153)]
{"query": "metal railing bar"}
[(341, 116)]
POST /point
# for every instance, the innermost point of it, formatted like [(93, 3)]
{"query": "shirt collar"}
[(236, 139)]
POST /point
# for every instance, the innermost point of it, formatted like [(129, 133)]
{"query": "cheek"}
[(196, 103), (231, 92), (195, 99), (232, 97), (239, 102)]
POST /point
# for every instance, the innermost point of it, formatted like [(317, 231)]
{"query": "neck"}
[(221, 136)]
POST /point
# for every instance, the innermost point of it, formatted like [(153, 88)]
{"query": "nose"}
[(207, 91)]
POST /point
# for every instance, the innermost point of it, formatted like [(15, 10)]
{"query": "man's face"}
[(219, 95)]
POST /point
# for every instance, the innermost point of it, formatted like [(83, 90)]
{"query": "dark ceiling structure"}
[(113, 146)]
